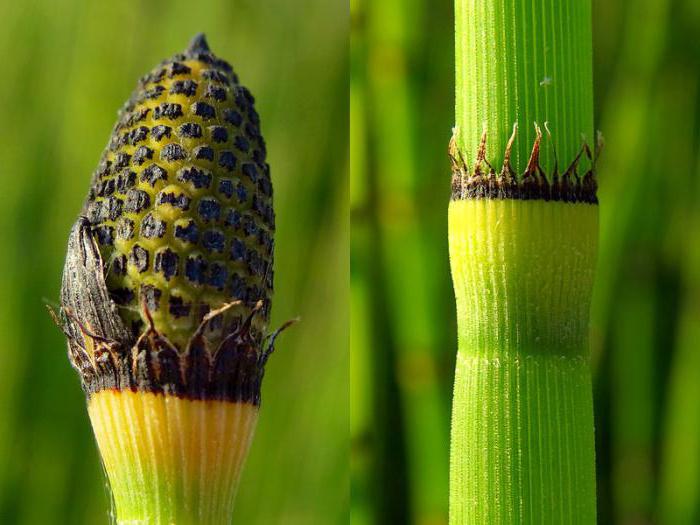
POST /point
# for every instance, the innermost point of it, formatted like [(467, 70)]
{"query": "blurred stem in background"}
[(400, 430), (679, 476), (647, 73), (626, 313)]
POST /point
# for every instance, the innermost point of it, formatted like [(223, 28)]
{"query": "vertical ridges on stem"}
[(171, 460), (520, 61), (523, 274)]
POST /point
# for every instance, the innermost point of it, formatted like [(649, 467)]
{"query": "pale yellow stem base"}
[(171, 460)]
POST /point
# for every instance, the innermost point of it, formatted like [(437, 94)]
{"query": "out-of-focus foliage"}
[(66, 68), (646, 310)]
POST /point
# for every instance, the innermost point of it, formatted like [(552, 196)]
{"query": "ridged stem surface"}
[(523, 61), (522, 428), (171, 460)]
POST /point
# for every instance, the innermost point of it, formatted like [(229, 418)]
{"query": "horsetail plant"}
[(166, 292), (523, 237)]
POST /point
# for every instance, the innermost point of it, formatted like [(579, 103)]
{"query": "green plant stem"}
[(522, 428), (522, 423)]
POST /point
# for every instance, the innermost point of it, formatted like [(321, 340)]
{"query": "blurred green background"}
[(67, 67), (646, 310)]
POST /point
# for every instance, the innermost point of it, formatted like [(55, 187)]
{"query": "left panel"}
[(206, 235)]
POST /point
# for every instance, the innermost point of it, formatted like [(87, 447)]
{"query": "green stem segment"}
[(523, 61), (522, 427), (523, 268)]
